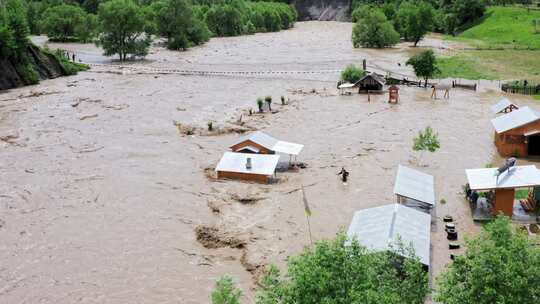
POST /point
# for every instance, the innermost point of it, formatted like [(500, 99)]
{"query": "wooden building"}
[(249, 167), (518, 133), (261, 143), (371, 82), (503, 186)]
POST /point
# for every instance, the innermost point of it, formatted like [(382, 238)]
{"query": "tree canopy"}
[(59, 22), (123, 29), (501, 265), (336, 272), (373, 30), (352, 74), (424, 65)]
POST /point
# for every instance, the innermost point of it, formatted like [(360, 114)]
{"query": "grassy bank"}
[(503, 27), (505, 47)]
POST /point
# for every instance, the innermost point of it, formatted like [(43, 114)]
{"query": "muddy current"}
[(105, 198)]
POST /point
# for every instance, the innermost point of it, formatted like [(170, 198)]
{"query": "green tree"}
[(59, 22), (501, 265), (374, 30), (225, 292), (352, 74), (175, 21), (87, 29), (225, 20), (426, 140), (337, 272), (415, 20), (15, 20), (424, 65), (123, 27)]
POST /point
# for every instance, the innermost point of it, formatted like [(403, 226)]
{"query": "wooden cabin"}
[(249, 167), (415, 189), (371, 82), (518, 133), (503, 186), (261, 143)]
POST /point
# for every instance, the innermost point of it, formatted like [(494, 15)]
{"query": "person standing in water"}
[(344, 174)]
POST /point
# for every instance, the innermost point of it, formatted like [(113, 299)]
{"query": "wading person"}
[(344, 174)]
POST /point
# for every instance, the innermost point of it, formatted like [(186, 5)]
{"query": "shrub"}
[(373, 30), (352, 74)]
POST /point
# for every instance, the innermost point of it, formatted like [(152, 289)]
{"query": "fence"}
[(521, 89)]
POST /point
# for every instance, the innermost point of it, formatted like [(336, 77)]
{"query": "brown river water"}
[(100, 194)]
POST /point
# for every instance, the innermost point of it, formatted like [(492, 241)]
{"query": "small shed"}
[(249, 167), (504, 185), (379, 228), (371, 82), (518, 133), (503, 106), (261, 143), (415, 189)]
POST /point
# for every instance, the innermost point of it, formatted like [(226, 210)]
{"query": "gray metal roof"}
[(515, 119), (515, 177), (260, 138), (379, 228), (415, 184), (501, 105), (375, 76), (264, 164)]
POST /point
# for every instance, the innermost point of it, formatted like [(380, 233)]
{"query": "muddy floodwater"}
[(102, 191)]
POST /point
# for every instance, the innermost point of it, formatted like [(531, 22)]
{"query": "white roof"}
[(415, 184), (262, 164), (271, 143), (514, 119), (346, 85), (516, 177), (287, 147), (378, 229), (501, 105)]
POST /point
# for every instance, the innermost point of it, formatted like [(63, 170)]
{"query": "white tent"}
[(515, 177), (262, 164), (380, 228)]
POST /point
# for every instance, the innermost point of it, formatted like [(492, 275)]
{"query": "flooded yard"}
[(103, 200)]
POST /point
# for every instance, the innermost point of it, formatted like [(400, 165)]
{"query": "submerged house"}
[(415, 189), (503, 106), (518, 133), (381, 228), (249, 167), (261, 143), (371, 82)]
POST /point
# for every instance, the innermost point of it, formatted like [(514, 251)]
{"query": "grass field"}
[(504, 27), (505, 46)]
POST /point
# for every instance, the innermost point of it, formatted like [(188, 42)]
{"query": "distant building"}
[(371, 82), (518, 133)]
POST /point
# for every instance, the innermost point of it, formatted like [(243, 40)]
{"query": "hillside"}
[(504, 27), (503, 45)]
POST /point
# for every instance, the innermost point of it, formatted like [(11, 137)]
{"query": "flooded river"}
[(100, 194)]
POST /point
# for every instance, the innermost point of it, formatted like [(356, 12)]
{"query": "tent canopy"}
[(515, 177), (515, 119), (380, 228), (262, 164), (414, 184)]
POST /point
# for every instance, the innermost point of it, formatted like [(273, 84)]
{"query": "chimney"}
[(248, 163)]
